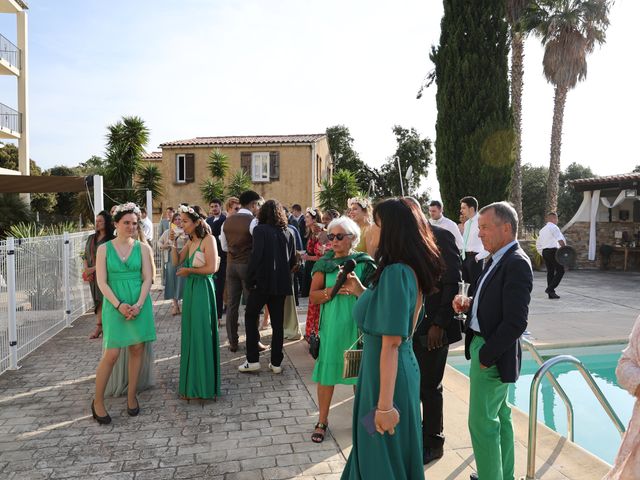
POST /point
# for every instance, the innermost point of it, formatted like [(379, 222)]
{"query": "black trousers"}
[(256, 301), (471, 269), (555, 271), (432, 364), (219, 281)]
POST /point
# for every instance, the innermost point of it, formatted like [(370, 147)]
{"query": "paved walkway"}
[(260, 427), (257, 430)]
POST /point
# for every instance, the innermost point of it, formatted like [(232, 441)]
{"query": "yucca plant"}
[(336, 193), (148, 177), (30, 230), (218, 164), (240, 182), (212, 189)]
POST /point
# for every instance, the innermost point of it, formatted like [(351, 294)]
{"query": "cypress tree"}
[(474, 132)]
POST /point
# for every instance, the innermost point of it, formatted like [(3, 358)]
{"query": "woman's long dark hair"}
[(109, 228), (405, 237), (272, 213), (199, 219)]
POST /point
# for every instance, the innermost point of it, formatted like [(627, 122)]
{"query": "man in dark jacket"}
[(269, 281), (431, 342), (496, 319), (215, 221)]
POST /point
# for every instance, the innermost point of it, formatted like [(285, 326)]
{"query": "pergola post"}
[(98, 194)]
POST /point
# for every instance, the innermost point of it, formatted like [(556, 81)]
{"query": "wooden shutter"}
[(190, 168), (274, 165), (245, 162)]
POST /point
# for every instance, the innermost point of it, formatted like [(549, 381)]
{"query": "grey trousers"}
[(236, 286)]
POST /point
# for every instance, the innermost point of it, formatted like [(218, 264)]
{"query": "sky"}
[(258, 67)]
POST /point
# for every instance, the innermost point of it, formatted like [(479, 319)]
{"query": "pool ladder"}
[(545, 370)]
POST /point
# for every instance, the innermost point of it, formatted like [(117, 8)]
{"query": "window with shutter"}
[(190, 168), (245, 162), (180, 168), (260, 166), (274, 166)]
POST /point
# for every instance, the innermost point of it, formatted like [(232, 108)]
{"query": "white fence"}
[(41, 292)]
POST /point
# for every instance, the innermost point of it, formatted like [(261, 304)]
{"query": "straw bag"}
[(351, 360)]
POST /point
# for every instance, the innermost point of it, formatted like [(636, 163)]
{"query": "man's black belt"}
[(477, 334), (469, 254)]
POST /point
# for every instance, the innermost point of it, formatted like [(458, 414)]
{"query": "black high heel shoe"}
[(133, 412), (106, 420)]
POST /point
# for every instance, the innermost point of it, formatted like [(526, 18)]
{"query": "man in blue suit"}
[(497, 317)]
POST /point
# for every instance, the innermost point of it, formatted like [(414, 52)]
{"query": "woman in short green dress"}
[(337, 328), (199, 348), (124, 275), (388, 390)]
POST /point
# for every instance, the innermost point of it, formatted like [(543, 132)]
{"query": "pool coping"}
[(459, 349)]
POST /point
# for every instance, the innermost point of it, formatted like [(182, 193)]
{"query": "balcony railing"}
[(10, 119), (9, 52)]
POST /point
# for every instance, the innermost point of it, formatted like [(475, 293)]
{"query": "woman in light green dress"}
[(124, 276), (387, 432), (337, 328), (200, 352)]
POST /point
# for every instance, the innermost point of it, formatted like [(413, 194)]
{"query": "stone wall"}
[(578, 237)]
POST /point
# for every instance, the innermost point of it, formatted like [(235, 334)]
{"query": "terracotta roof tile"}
[(152, 156), (611, 178), (245, 140)]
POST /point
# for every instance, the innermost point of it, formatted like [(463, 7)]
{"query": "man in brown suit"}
[(236, 240)]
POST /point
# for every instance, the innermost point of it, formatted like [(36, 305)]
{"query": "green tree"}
[(12, 211), (474, 133), (517, 32), (126, 140), (637, 169), (240, 182), (65, 201), (9, 156), (568, 199), (569, 31), (534, 188), (346, 158), (148, 177), (412, 151), (213, 187), (336, 193), (95, 165)]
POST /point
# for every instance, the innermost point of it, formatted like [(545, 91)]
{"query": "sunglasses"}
[(339, 236)]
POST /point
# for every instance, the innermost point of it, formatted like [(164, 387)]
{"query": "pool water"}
[(593, 430)]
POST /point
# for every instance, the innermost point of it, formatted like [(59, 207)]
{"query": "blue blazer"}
[(503, 310)]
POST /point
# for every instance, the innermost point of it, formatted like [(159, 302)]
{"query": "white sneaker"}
[(275, 369), (248, 366)]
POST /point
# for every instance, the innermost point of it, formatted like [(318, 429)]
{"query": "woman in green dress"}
[(387, 433), (337, 328), (199, 349), (124, 276)]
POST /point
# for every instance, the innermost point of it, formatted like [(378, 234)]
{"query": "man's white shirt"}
[(252, 225), (473, 242), (549, 237), (147, 228), (450, 225)]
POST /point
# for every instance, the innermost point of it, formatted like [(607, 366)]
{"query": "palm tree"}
[(148, 177), (218, 164), (569, 30), (240, 182), (12, 211), (213, 187), (126, 140), (335, 193), (515, 10)]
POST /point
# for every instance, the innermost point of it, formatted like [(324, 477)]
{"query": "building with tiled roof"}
[(289, 168), (605, 231)]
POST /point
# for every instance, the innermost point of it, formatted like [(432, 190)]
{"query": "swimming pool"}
[(593, 430)]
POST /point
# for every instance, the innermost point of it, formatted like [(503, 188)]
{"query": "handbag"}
[(352, 358), (88, 277), (198, 259), (314, 345)]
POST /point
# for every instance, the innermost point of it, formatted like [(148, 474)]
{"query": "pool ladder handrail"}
[(544, 370)]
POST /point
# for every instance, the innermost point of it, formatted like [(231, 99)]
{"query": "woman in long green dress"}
[(387, 400), (199, 348), (337, 328), (124, 275)]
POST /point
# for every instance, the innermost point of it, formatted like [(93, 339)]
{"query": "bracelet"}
[(385, 411), (118, 307), (326, 294)]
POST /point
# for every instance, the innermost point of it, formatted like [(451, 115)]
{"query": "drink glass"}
[(463, 292)]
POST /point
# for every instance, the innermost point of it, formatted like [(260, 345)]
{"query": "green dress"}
[(125, 280), (338, 329), (199, 352), (387, 309)]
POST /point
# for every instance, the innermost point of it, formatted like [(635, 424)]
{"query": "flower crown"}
[(187, 209), (363, 202), (128, 207), (312, 211)]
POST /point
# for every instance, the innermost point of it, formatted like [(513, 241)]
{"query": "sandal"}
[(317, 437), (97, 332)]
